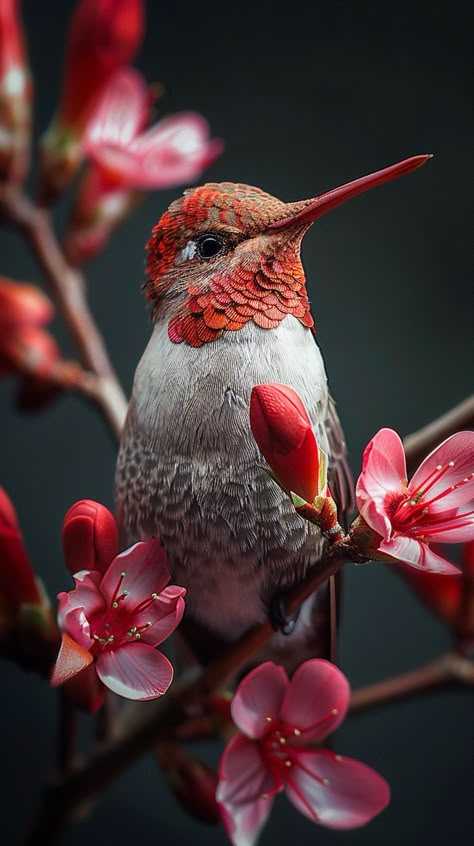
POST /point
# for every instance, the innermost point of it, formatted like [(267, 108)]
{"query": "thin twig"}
[(420, 443), (444, 670), (68, 288)]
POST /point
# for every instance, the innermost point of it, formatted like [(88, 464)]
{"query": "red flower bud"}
[(103, 36), (22, 304), (90, 538), (191, 781), (30, 350), (17, 579), (285, 437), (15, 94)]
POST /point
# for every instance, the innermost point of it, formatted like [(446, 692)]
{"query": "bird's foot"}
[(279, 618)]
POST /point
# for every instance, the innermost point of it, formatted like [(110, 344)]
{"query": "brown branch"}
[(420, 443), (68, 288), (444, 670)]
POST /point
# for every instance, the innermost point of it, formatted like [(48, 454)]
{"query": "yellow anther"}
[(297, 732)]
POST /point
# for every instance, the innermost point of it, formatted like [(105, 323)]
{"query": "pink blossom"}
[(118, 618), (279, 719), (433, 507), (173, 151)]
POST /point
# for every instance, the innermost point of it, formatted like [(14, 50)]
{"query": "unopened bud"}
[(192, 782), (18, 582), (90, 537), (285, 437), (102, 37)]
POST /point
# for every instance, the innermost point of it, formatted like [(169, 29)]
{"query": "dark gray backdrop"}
[(307, 96)]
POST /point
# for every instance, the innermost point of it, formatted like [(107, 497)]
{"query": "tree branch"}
[(444, 670), (420, 443), (68, 288)]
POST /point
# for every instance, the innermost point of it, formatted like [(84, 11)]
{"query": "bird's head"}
[(225, 254)]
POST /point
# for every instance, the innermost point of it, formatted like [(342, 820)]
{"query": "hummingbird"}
[(230, 310)]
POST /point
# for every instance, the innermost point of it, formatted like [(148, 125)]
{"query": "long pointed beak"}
[(307, 211)]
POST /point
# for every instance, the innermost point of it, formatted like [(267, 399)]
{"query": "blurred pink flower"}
[(173, 151), (432, 507), (118, 618), (279, 719), (126, 159)]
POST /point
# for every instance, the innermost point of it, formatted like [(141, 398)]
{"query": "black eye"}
[(209, 246)]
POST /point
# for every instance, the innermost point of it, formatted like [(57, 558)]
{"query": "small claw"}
[(278, 616)]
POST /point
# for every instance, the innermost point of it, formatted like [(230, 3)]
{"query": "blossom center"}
[(278, 747), (410, 510), (121, 621)]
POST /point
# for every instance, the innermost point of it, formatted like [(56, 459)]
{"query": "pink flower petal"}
[(184, 133), (259, 696), (164, 615), (243, 823), (120, 114), (334, 791), (146, 572), (455, 526), (416, 553), (458, 450), (243, 775), (74, 622), (72, 659), (86, 598), (316, 700), (383, 472), (135, 671), (244, 779), (173, 151)]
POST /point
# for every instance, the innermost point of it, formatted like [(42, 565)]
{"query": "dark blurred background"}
[(306, 96)]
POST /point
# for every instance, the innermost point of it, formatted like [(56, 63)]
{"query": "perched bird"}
[(230, 311)]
